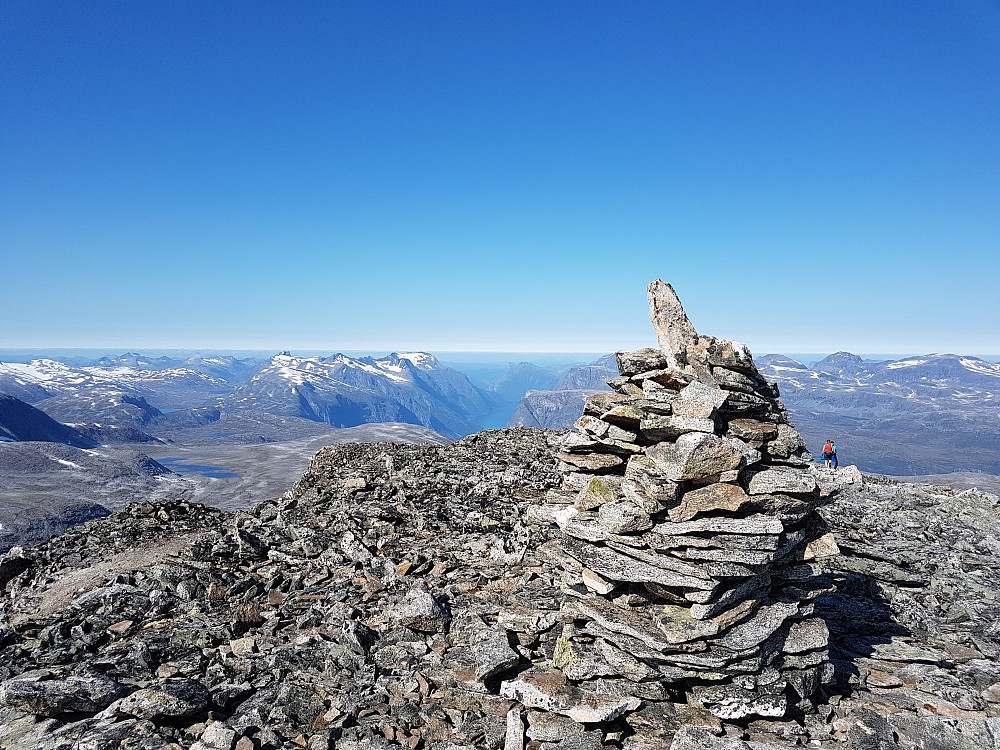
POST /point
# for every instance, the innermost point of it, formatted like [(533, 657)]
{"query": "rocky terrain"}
[(47, 487), (673, 574), (267, 469), (361, 611)]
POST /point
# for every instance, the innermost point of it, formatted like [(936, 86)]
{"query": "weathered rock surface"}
[(346, 612)]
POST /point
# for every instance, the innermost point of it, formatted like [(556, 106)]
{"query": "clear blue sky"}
[(811, 176)]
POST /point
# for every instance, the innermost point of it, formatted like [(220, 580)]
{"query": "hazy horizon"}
[(446, 357)]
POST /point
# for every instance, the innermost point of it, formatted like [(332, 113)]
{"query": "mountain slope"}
[(550, 409), (560, 407), (46, 488), (22, 422), (590, 377), (522, 377), (345, 392), (173, 388)]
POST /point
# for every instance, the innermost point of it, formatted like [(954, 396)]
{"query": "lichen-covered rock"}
[(492, 652), (695, 456), (550, 691)]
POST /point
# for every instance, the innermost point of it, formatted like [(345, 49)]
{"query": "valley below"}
[(46, 488)]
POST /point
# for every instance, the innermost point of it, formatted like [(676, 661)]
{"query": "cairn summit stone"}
[(705, 502), (673, 329)]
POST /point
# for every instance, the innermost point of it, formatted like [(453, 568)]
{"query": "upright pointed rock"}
[(673, 329)]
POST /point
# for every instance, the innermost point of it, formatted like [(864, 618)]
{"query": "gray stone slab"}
[(618, 567)]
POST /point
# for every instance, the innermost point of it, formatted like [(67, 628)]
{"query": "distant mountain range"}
[(930, 414), (920, 415), (413, 388), (131, 398), (562, 405)]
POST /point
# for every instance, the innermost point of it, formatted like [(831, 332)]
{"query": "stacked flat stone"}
[(687, 509)]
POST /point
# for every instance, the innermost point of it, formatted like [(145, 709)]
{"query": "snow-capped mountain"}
[(221, 367), (844, 382), (345, 391), (173, 388), (137, 361), (930, 414), (230, 369)]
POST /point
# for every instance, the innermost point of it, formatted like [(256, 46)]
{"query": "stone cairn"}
[(688, 519)]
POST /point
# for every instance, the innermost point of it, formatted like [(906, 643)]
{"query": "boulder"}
[(550, 691), (781, 479), (419, 610), (709, 499), (695, 455), (699, 401), (180, 698), (673, 329), (641, 360), (623, 518), (38, 692), (492, 652)]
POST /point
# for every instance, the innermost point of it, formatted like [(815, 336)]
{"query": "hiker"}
[(833, 447), (828, 453)]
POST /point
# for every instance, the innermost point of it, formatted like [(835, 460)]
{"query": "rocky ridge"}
[(350, 610), (361, 610), (421, 597)]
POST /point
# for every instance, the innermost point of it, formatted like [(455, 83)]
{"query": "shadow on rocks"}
[(860, 619)]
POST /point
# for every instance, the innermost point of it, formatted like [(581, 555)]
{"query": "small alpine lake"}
[(180, 465)]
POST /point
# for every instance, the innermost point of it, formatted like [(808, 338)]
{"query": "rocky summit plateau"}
[(674, 573)]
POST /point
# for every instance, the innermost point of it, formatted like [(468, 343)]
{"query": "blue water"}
[(181, 466), (222, 434)]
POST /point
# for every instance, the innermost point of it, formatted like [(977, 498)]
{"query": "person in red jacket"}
[(828, 453)]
